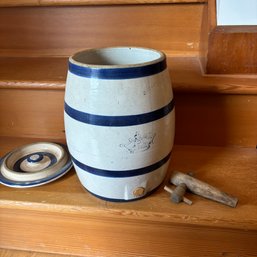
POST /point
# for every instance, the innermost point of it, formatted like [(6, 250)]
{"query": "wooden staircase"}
[(216, 134)]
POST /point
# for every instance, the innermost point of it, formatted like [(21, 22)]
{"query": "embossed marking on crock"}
[(139, 142)]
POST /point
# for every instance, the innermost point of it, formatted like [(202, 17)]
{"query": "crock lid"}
[(34, 165)]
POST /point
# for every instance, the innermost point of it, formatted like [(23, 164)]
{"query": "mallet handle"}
[(203, 189)]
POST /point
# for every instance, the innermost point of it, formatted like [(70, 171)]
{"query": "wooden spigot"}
[(203, 189), (177, 195)]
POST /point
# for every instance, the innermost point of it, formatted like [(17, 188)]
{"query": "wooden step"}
[(20, 253), (38, 31), (5, 3), (62, 217)]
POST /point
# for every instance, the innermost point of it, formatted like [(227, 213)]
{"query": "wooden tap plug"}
[(177, 195)]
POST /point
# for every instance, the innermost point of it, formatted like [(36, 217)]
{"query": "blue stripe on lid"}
[(17, 164), (118, 121), (118, 73), (121, 173), (20, 184)]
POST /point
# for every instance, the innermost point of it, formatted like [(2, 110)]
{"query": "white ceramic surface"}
[(119, 120)]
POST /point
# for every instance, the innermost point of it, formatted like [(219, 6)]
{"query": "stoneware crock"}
[(119, 120)]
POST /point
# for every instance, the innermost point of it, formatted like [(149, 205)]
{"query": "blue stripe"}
[(118, 200), (118, 121), (121, 173), (17, 165), (118, 73)]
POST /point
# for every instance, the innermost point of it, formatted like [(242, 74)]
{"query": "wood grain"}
[(20, 253), (188, 77), (31, 31), (216, 119), (225, 52), (112, 238), (32, 113), (204, 36), (33, 73), (212, 15), (221, 50), (51, 218), (5, 3)]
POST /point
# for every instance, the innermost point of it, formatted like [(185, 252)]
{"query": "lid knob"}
[(35, 158)]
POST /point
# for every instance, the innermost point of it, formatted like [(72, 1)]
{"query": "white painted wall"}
[(236, 12)]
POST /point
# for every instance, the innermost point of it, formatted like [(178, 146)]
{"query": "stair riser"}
[(86, 236), (31, 31), (14, 3), (201, 119), (216, 119)]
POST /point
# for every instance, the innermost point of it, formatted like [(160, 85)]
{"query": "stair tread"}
[(90, 2), (21, 253), (186, 74), (232, 169)]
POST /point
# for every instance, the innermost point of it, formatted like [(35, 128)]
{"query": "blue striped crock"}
[(119, 120)]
